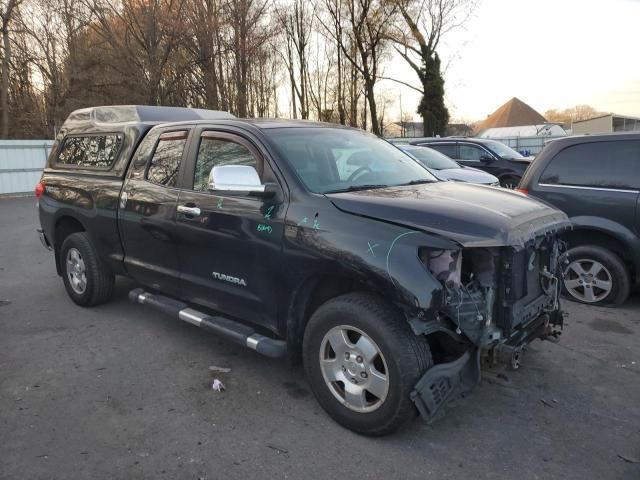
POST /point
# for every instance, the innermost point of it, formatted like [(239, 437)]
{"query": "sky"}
[(548, 53)]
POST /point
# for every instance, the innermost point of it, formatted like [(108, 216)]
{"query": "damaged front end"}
[(494, 301)]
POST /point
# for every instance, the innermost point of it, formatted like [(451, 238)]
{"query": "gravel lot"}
[(121, 392)]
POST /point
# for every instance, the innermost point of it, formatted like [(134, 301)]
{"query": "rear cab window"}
[(96, 151), (612, 164), (164, 166)]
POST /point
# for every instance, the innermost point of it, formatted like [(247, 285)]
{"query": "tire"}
[(402, 357), (593, 266), (509, 182), (80, 261)]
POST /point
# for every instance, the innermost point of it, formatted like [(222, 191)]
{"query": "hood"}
[(525, 160), (472, 215), (466, 174)]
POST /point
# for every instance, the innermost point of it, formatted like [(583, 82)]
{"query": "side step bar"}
[(230, 329)]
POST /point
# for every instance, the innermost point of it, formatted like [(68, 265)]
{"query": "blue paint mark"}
[(304, 220), (371, 247), (391, 248), (316, 225)]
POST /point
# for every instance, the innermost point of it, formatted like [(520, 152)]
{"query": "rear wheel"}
[(596, 276), (86, 279), (363, 361), (509, 182)]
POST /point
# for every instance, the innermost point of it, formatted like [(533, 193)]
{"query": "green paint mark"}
[(304, 220), (264, 228), (220, 201), (267, 215), (371, 247)]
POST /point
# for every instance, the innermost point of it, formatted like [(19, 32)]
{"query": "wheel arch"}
[(65, 226), (614, 238), (310, 295)]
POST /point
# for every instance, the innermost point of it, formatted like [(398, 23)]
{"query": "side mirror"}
[(235, 178), (486, 158)]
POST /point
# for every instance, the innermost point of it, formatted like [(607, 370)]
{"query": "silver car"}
[(444, 168)]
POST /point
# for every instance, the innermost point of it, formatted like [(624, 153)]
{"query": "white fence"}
[(21, 164)]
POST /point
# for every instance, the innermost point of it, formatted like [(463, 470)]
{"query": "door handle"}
[(189, 211)]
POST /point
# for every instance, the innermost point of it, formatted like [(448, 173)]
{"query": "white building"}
[(606, 124)]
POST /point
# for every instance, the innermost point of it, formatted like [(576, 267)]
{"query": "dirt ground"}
[(119, 391)]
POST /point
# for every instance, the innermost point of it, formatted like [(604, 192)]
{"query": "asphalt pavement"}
[(119, 391)]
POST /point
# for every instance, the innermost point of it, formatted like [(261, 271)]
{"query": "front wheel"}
[(363, 361)]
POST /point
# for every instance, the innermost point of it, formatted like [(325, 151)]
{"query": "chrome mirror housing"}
[(235, 178)]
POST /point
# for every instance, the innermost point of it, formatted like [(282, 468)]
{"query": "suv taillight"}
[(39, 190), (522, 190)]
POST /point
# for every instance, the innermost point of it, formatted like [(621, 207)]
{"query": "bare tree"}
[(145, 33), (296, 20), (367, 23), (417, 39), (248, 33), (203, 22), (572, 114), (8, 10)]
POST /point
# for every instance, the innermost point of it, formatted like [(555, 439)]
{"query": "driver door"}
[(229, 243), (477, 157)]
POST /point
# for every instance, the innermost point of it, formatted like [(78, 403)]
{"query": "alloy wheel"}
[(588, 280), (76, 271), (354, 369)]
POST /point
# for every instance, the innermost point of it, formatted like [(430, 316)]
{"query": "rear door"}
[(147, 213), (230, 250)]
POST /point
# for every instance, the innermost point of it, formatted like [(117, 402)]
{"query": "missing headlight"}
[(445, 265)]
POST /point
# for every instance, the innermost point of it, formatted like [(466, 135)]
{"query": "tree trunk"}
[(373, 109), (6, 60)]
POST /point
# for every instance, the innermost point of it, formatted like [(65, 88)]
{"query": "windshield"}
[(501, 150), (430, 158), (330, 160)]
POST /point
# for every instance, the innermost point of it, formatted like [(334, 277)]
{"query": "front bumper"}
[(444, 381), (43, 240)]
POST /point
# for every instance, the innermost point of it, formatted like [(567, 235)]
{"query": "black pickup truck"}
[(305, 240)]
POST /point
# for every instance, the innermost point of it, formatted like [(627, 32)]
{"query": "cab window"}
[(216, 151), (471, 153)]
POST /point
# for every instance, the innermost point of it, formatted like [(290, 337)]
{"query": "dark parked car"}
[(308, 240), (596, 180), (444, 168), (490, 156)]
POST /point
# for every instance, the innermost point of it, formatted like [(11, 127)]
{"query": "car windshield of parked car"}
[(331, 160), (431, 158), (502, 150)]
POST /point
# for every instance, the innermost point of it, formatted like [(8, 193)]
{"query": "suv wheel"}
[(363, 361), (509, 182), (85, 277), (596, 276)]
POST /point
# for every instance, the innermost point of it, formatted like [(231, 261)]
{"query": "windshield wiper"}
[(414, 182), (355, 188)]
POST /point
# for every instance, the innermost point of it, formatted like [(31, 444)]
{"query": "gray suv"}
[(595, 180)]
